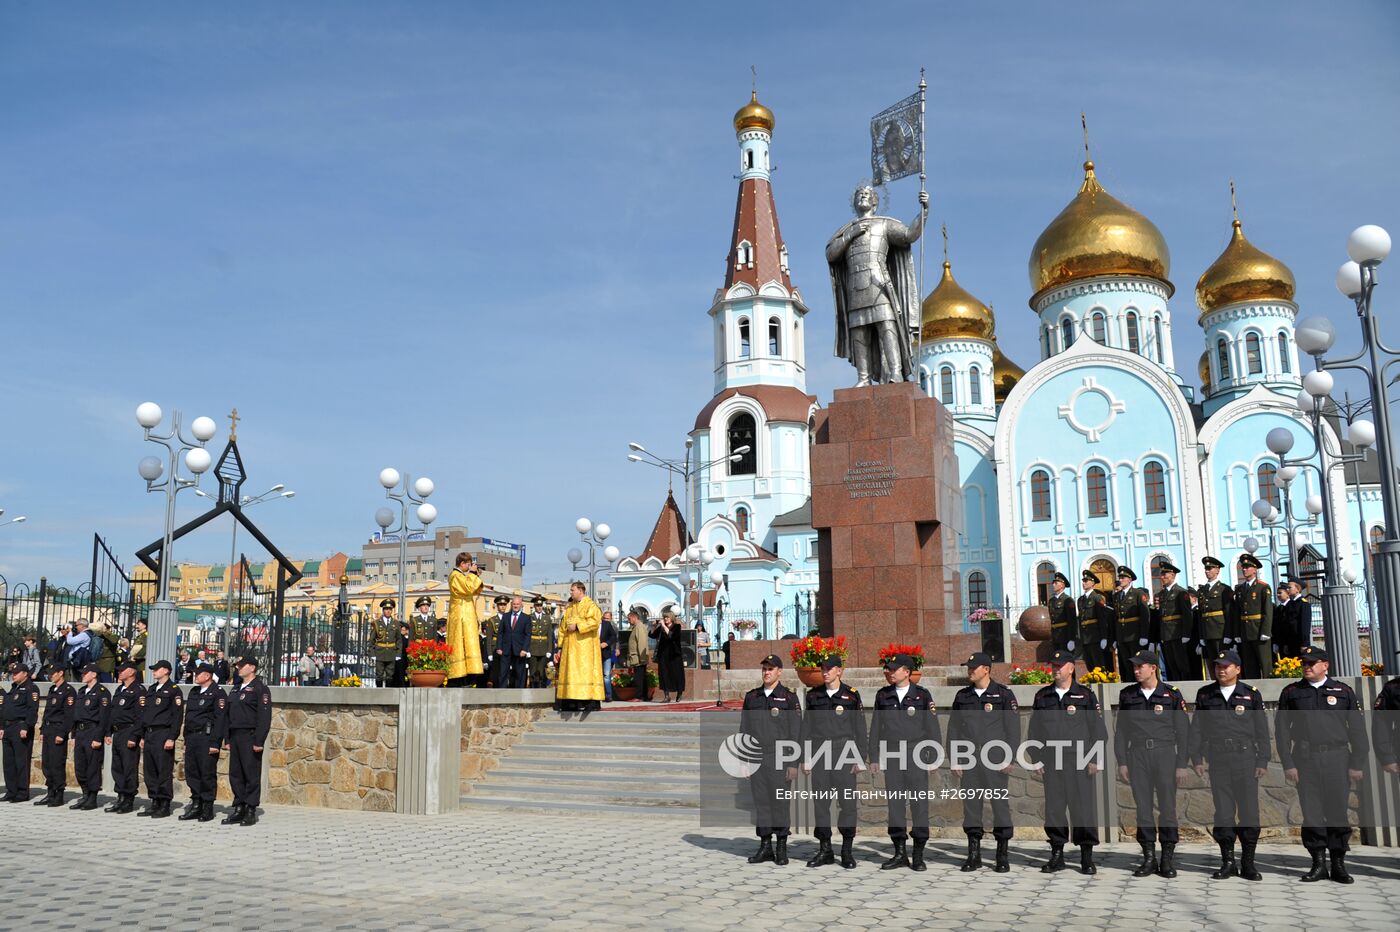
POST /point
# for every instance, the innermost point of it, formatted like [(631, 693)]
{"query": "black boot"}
[(1227, 861), (56, 800), (780, 857), (1339, 868), (1168, 866), (193, 811), (129, 805), (917, 861), (1086, 860), (1319, 867), (235, 816), (1247, 869), (900, 859), (150, 809), (250, 817), (1148, 867), (206, 812), (81, 802), (824, 854), (764, 852), (45, 799), (116, 805), (1057, 859), (1003, 856), (974, 855), (162, 810), (848, 860)]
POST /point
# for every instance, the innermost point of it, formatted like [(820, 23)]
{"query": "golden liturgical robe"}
[(463, 630), (580, 654)]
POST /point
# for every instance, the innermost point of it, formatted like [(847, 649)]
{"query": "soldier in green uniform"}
[(386, 643), (1133, 616), (424, 624), (1064, 620), (1175, 621), (541, 644), (138, 649), (1095, 625), (1215, 606), (1255, 603)]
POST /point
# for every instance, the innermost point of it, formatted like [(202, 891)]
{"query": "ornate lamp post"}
[(410, 493), (592, 536), (19, 519)]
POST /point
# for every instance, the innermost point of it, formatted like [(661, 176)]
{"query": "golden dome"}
[(1097, 234), (1243, 273), (1005, 373), (1203, 369), (753, 115), (949, 311)]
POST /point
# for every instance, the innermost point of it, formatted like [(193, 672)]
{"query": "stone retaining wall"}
[(488, 733), (338, 756)]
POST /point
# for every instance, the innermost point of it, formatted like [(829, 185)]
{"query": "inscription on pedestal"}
[(870, 479)]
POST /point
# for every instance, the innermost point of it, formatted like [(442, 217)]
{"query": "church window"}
[(742, 433), (1044, 342), (743, 255), (1157, 338), (1040, 495), (1134, 341), (1098, 325), (741, 519), (1252, 354), (783, 258), (977, 589), (1156, 567), (974, 385), (1154, 486), (1267, 490), (923, 381), (1285, 360), (748, 158), (1044, 576), (945, 385), (1222, 356), (775, 337), (1067, 331), (743, 338), (1097, 491), (1377, 534)]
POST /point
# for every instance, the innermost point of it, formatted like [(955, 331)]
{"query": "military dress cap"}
[(899, 660), (1313, 653), (537, 600), (1088, 576), (834, 662), (1128, 572), (246, 661), (387, 603), (1209, 562), (979, 659), (1061, 657), (161, 663), (1166, 567), (422, 600), (772, 660), (1229, 656), (1249, 559), (1144, 656), (1062, 578)]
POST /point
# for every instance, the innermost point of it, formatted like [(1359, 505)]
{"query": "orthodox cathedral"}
[(1100, 455)]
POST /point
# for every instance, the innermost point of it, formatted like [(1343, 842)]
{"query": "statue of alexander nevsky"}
[(872, 275)]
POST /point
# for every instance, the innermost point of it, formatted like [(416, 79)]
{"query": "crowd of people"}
[(73, 646)]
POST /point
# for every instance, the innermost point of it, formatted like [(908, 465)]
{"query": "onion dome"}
[(753, 115), (1243, 273), (1097, 234), (1005, 373), (949, 312)]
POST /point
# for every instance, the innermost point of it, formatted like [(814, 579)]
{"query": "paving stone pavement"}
[(364, 871)]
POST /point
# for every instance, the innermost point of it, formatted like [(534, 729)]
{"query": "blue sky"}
[(477, 241)]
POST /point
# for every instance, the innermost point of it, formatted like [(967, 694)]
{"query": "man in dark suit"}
[(1300, 620), (513, 646), (607, 644)]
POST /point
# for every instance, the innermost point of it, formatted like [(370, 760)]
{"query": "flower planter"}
[(427, 679), (915, 675), (624, 693), (810, 676)]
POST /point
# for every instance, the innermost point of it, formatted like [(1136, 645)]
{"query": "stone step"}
[(576, 807), (602, 768), (621, 794), (586, 756), (659, 719), (591, 738), (522, 775), (691, 727)]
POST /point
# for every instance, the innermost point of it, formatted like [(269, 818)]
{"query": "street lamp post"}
[(593, 536), (248, 501), (410, 493), (18, 519), (164, 617)]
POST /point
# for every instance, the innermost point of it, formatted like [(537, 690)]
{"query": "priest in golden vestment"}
[(463, 629), (579, 683)]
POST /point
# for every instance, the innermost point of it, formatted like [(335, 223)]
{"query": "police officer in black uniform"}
[(128, 711), (1385, 727), (1230, 732), (1095, 625), (1321, 741), (1215, 609), (1132, 618), (1176, 624), (54, 732), (160, 727), (206, 720), (982, 713), (91, 719), (1152, 744), (1064, 620), (834, 725), (1067, 711), (249, 721), (904, 715), (19, 712), (1254, 602), (771, 713)]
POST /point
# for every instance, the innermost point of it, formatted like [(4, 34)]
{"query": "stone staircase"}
[(608, 762)]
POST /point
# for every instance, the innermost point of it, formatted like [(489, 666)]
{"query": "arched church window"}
[(1096, 487), (743, 255), (1067, 331), (945, 385), (748, 158), (977, 589), (1044, 342), (1157, 338), (1044, 576), (741, 519), (1154, 487), (1222, 358), (1265, 478), (775, 337), (742, 433), (1252, 355), (1134, 340), (1156, 568), (974, 385), (1285, 360), (923, 381), (1040, 495), (1377, 534), (1098, 326), (744, 347)]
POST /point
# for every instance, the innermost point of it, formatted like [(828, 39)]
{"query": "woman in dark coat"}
[(669, 659)]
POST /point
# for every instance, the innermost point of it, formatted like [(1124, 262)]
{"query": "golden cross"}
[(945, 242), (754, 70), (1084, 124), (233, 420), (1234, 207)]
